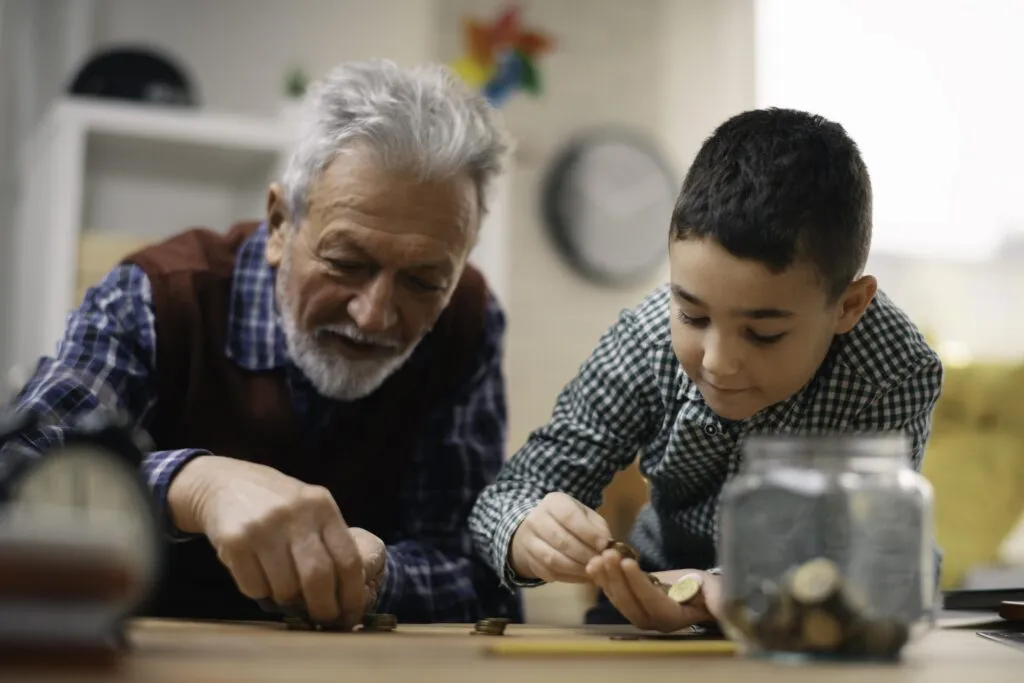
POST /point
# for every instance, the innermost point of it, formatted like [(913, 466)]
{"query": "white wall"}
[(239, 50)]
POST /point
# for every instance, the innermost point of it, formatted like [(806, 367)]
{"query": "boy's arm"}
[(600, 420), (907, 407)]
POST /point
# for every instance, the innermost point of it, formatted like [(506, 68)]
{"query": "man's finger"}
[(248, 574), (348, 571), (317, 580), (276, 560)]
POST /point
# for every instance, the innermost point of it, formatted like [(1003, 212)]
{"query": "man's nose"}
[(721, 357), (373, 309)]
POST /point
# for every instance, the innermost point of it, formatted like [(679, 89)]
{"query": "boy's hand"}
[(557, 540), (646, 605)]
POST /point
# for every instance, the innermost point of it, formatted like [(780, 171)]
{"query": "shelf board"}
[(194, 127)]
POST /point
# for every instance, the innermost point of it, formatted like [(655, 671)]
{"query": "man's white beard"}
[(332, 374)]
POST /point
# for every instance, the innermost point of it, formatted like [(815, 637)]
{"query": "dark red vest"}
[(205, 400)]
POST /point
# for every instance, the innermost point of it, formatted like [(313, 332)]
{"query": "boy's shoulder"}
[(885, 346), (650, 318)]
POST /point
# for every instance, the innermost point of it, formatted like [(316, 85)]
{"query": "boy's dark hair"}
[(777, 186)]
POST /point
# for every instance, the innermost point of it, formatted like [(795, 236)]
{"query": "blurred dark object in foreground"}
[(79, 545)]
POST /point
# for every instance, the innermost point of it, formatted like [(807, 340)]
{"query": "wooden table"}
[(186, 652)]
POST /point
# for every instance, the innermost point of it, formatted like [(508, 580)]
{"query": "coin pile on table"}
[(491, 626), (380, 622)]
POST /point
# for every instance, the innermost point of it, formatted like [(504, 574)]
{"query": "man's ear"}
[(277, 224), (854, 301)]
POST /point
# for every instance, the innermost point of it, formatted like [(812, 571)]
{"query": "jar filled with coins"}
[(826, 548)]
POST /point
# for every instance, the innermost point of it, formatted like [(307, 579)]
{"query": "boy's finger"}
[(563, 538), (585, 524), (618, 590)]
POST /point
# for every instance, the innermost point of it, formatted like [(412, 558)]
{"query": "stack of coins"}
[(815, 610), (491, 626), (379, 622)]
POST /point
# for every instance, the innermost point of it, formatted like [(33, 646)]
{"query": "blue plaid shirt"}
[(107, 358)]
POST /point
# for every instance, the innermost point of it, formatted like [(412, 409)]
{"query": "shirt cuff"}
[(388, 587), (503, 547), (159, 469)]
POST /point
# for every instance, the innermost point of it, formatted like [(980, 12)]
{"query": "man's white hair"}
[(420, 119)]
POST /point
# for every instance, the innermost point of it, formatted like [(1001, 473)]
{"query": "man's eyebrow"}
[(755, 313), (340, 240)]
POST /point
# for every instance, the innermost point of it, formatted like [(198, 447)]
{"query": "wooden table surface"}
[(187, 652)]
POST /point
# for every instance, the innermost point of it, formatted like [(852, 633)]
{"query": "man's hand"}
[(647, 606), (373, 554), (557, 540), (279, 537)]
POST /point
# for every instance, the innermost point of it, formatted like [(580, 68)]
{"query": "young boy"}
[(768, 325)]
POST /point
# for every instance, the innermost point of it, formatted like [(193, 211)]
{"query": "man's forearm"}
[(161, 470)]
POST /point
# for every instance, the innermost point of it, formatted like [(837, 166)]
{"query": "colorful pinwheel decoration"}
[(501, 57)]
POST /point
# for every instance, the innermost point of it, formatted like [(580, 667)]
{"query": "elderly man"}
[(324, 388)]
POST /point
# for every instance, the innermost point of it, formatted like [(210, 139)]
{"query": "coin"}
[(685, 589), (623, 549), (815, 582), (491, 626), (379, 622)]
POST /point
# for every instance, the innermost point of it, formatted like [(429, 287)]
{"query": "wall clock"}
[(607, 202)]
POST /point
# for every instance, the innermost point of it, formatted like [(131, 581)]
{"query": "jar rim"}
[(842, 444)]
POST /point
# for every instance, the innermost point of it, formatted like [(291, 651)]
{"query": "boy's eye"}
[(690, 320), (763, 339)]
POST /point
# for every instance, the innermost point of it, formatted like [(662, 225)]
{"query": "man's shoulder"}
[(885, 348), (195, 250)]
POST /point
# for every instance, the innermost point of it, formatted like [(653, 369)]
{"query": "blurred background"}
[(931, 90)]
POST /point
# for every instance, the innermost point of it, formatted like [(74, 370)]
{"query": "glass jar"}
[(826, 548)]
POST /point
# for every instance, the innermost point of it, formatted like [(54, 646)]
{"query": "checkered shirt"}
[(107, 359), (631, 399)]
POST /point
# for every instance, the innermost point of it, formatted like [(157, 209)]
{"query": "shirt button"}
[(710, 430)]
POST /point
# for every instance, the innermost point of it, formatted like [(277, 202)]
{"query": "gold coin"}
[(623, 549), (685, 589)]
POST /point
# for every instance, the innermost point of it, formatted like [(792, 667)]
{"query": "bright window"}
[(933, 92)]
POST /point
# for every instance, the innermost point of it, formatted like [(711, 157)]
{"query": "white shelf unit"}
[(124, 169), (142, 172)]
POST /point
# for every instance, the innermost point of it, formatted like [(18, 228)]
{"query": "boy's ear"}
[(854, 301)]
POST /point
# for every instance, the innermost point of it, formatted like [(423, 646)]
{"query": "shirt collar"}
[(256, 338)]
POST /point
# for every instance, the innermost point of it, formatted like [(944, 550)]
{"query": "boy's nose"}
[(720, 360)]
